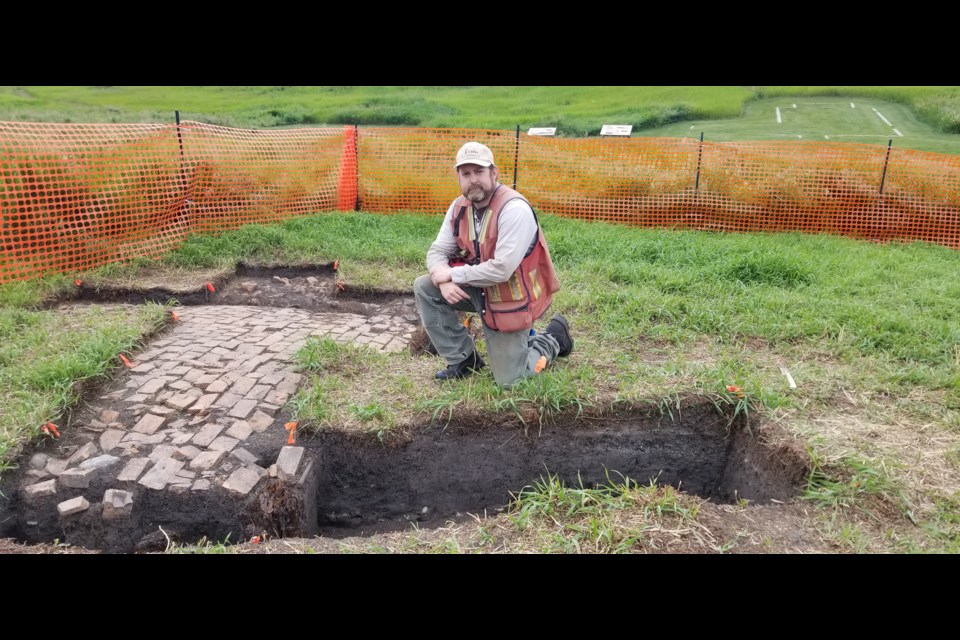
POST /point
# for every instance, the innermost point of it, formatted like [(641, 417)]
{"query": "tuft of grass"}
[(202, 547), (854, 484), (584, 519)]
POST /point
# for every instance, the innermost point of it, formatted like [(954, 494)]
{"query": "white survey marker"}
[(779, 121), (786, 372), (542, 131), (616, 130)]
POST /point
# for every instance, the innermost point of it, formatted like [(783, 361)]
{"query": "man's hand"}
[(452, 293), (440, 275)]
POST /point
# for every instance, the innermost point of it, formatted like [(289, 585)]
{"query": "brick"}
[(111, 438), (180, 385), (242, 481), (180, 401), (117, 504), (273, 378), (258, 392), (56, 466), (240, 430), (243, 385), (244, 456), (72, 506), (77, 478), (277, 397), (152, 386), (161, 452), (228, 400), (41, 489), (207, 434), (206, 460), (200, 485), (82, 454), (204, 402), (188, 452), (133, 469), (260, 421), (35, 475), (289, 459), (108, 415), (242, 409), (180, 437), (149, 423), (223, 443), (217, 386), (161, 474)]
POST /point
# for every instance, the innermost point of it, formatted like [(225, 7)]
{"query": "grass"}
[(869, 332), (831, 119), (46, 355), (575, 111), (614, 518), (202, 547)]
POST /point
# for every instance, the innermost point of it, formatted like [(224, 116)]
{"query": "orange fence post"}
[(347, 190)]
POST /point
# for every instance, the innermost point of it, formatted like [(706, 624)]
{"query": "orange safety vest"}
[(513, 305)]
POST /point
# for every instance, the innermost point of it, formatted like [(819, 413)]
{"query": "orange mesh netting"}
[(76, 196), (79, 196), (238, 177)]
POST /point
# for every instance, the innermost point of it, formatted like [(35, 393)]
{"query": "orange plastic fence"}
[(78, 196)]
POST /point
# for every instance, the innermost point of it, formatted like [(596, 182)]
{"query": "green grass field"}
[(820, 119), (928, 117)]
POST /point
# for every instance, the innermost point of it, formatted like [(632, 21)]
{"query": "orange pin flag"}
[(734, 389), (341, 286), (51, 430), (175, 316), (130, 365), (336, 264), (291, 427), (78, 282), (210, 287)]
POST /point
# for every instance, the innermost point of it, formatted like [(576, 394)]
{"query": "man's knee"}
[(423, 286), (506, 379)]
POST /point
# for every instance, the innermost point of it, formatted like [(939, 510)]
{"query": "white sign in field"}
[(616, 130), (542, 131)]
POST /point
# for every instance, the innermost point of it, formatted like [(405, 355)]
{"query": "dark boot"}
[(559, 328), (472, 363)]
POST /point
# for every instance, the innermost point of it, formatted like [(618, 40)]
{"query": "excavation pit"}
[(309, 287), (342, 485), (446, 471)]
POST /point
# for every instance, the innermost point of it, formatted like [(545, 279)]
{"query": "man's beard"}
[(476, 194)]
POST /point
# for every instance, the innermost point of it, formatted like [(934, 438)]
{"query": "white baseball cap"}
[(474, 153)]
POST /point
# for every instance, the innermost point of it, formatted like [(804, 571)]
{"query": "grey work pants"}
[(513, 355)]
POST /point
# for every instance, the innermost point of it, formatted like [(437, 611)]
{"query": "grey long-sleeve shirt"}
[(516, 231)]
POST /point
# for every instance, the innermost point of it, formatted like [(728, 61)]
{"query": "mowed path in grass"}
[(859, 120)]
